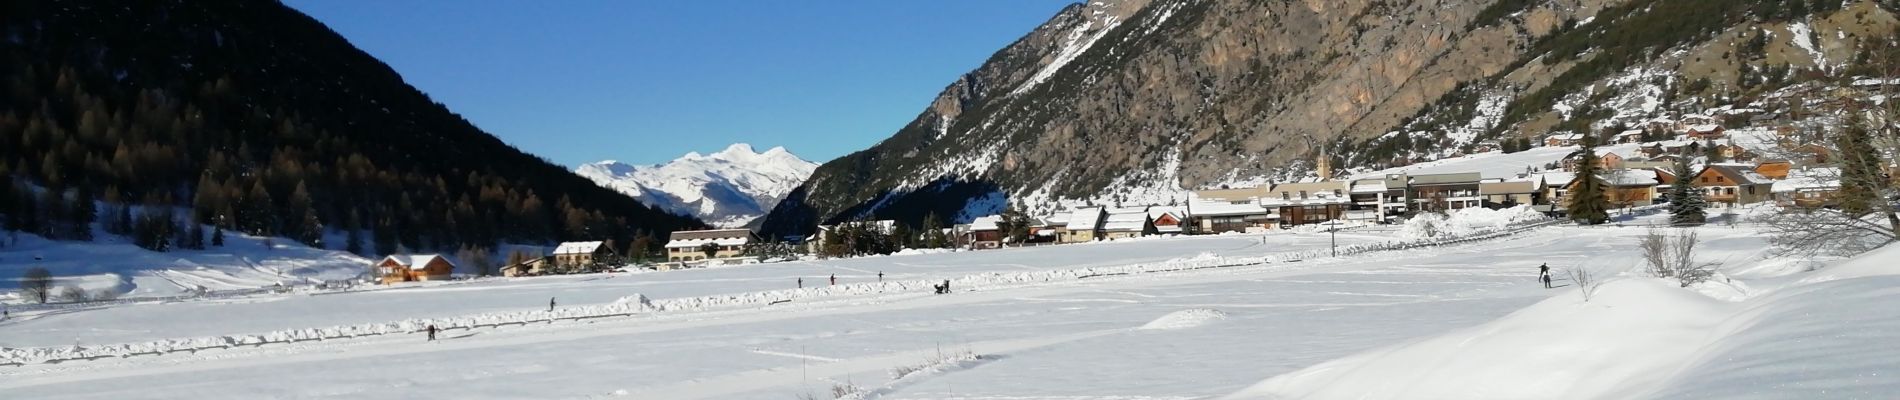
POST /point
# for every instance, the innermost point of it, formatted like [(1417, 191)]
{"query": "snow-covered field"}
[(1461, 321)]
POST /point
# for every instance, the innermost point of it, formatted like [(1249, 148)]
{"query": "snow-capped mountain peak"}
[(730, 187)]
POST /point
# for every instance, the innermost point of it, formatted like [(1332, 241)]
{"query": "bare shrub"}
[(1673, 256), (74, 294), (1587, 284)]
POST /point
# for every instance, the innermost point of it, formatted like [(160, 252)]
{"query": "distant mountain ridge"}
[(730, 188)]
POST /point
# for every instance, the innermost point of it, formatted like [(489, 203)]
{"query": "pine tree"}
[(197, 235), (384, 237), (1589, 203), (1686, 205), (933, 232), (84, 212), (354, 224), (217, 233), (309, 229)]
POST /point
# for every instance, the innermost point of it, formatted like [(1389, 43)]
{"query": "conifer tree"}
[(309, 228), (933, 232), (84, 212), (1589, 203), (217, 232), (1686, 205)]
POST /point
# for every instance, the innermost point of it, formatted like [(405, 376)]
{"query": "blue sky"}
[(579, 81)]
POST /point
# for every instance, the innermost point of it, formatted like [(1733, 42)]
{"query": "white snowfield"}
[(1124, 320)]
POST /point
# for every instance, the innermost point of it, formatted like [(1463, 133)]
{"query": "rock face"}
[(730, 188), (1133, 101)]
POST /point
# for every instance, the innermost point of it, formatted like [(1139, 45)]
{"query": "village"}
[(1783, 166)]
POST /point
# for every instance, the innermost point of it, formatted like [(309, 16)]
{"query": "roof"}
[(1156, 212), (987, 223), (1088, 218), (1057, 219), (721, 237), (1558, 179), (1740, 173), (1368, 186), (1232, 194), (1312, 188), (1632, 132), (1630, 177), (1126, 220), (1705, 128), (1817, 178), (1507, 187), (416, 261), (578, 247), (1566, 136), (1444, 179), (1222, 209)]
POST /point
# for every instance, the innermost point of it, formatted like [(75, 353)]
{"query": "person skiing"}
[(1543, 274), (550, 304), (801, 282), (431, 332), (834, 279), (880, 276), (946, 286)]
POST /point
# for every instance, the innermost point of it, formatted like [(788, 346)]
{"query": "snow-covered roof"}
[(578, 247), (1740, 173), (415, 261), (1566, 136), (1704, 128), (1057, 219), (1630, 177), (1368, 186), (720, 237), (987, 223), (1156, 212), (1558, 179), (1632, 132), (1087, 218), (1222, 208), (1816, 178), (1126, 220)]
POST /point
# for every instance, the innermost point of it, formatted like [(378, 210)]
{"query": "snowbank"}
[(1467, 221), (1647, 338)]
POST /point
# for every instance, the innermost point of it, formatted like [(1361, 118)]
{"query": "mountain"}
[(729, 188), (253, 117), (1136, 100)]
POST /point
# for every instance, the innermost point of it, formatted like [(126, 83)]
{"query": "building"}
[(986, 232), (1732, 184), (1628, 136), (1126, 223), (530, 267), (1085, 225), (1511, 194), (1230, 210), (1704, 131), (1606, 159), (582, 255), (1167, 219), (1556, 188), (414, 268), (1377, 196), (1808, 188), (685, 246), (1439, 192), (1565, 139), (1774, 169), (1627, 187), (1309, 202)]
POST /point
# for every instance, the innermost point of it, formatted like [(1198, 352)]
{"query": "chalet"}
[(1627, 187), (1774, 169), (1167, 219), (1511, 194), (724, 244), (1647, 163), (582, 255), (1704, 131), (530, 267), (1809, 188), (1126, 223), (1732, 184), (1556, 185), (1629, 136), (1085, 225), (1444, 191), (1690, 121), (414, 268), (1606, 159), (1563, 139), (1308, 202), (986, 232)]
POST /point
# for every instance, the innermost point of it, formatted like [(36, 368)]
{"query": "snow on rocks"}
[(1184, 319)]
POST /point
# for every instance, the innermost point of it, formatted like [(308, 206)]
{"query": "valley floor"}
[(1190, 334)]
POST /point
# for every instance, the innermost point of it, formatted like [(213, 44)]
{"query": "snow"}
[(1078, 41), (577, 247), (414, 261), (111, 262), (728, 188), (1264, 315), (1466, 221), (1495, 164), (1803, 38)]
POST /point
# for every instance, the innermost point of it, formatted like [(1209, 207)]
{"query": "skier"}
[(946, 286), (880, 276), (1543, 274), (834, 279), (431, 332), (550, 304), (801, 282)]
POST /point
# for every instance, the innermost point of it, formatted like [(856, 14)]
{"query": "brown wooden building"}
[(414, 268)]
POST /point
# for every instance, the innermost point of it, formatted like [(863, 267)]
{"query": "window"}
[(1286, 196), (1731, 191), (1302, 195)]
